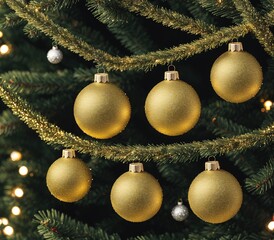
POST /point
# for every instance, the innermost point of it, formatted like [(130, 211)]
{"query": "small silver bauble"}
[(180, 212), (55, 55)]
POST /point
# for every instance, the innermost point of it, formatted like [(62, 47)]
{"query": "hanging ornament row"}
[(215, 195), (172, 107)]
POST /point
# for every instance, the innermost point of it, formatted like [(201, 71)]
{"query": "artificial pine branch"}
[(262, 181), (221, 8), (164, 16), (53, 225), (127, 28), (8, 123)]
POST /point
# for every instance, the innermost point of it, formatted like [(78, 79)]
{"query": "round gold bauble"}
[(215, 196), (172, 107), (136, 197), (102, 110), (236, 76), (69, 179)]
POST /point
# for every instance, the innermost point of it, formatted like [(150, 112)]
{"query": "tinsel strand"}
[(144, 61), (258, 24)]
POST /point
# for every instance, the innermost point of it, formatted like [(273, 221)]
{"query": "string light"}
[(1, 34), (15, 156), (270, 225), (16, 211), (268, 104), (8, 230), (4, 49), (18, 192), (4, 221), (23, 170)]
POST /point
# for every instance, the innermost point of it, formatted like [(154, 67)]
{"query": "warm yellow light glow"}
[(4, 221), (16, 211), (23, 170), (1, 34), (18, 192), (268, 104), (8, 230), (16, 156), (4, 49), (270, 225)]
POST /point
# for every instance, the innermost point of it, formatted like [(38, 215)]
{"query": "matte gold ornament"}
[(236, 76), (136, 195), (215, 195), (172, 107), (69, 178), (101, 109)]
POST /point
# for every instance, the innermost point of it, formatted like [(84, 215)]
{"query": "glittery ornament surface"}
[(215, 196), (172, 107), (236, 76), (136, 197), (102, 110), (180, 212), (55, 55)]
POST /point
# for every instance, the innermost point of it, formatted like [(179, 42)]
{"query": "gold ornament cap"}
[(101, 78), (235, 47), (171, 75), (68, 153), (212, 166), (136, 167)]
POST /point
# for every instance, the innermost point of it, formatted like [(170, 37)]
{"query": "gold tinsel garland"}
[(144, 61), (258, 24)]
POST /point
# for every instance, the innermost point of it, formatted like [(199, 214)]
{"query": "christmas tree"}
[(183, 109)]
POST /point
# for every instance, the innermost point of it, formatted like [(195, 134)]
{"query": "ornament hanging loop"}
[(171, 66), (100, 68), (180, 201)]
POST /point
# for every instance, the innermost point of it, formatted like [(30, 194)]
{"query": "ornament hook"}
[(171, 66), (100, 68)]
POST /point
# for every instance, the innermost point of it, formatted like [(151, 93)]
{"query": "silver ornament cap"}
[(136, 167), (212, 165), (235, 47), (171, 75), (55, 55), (68, 153), (101, 78), (179, 212)]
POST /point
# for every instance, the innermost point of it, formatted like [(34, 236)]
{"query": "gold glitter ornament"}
[(215, 195), (69, 178), (101, 109), (236, 76), (172, 107), (136, 195)]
